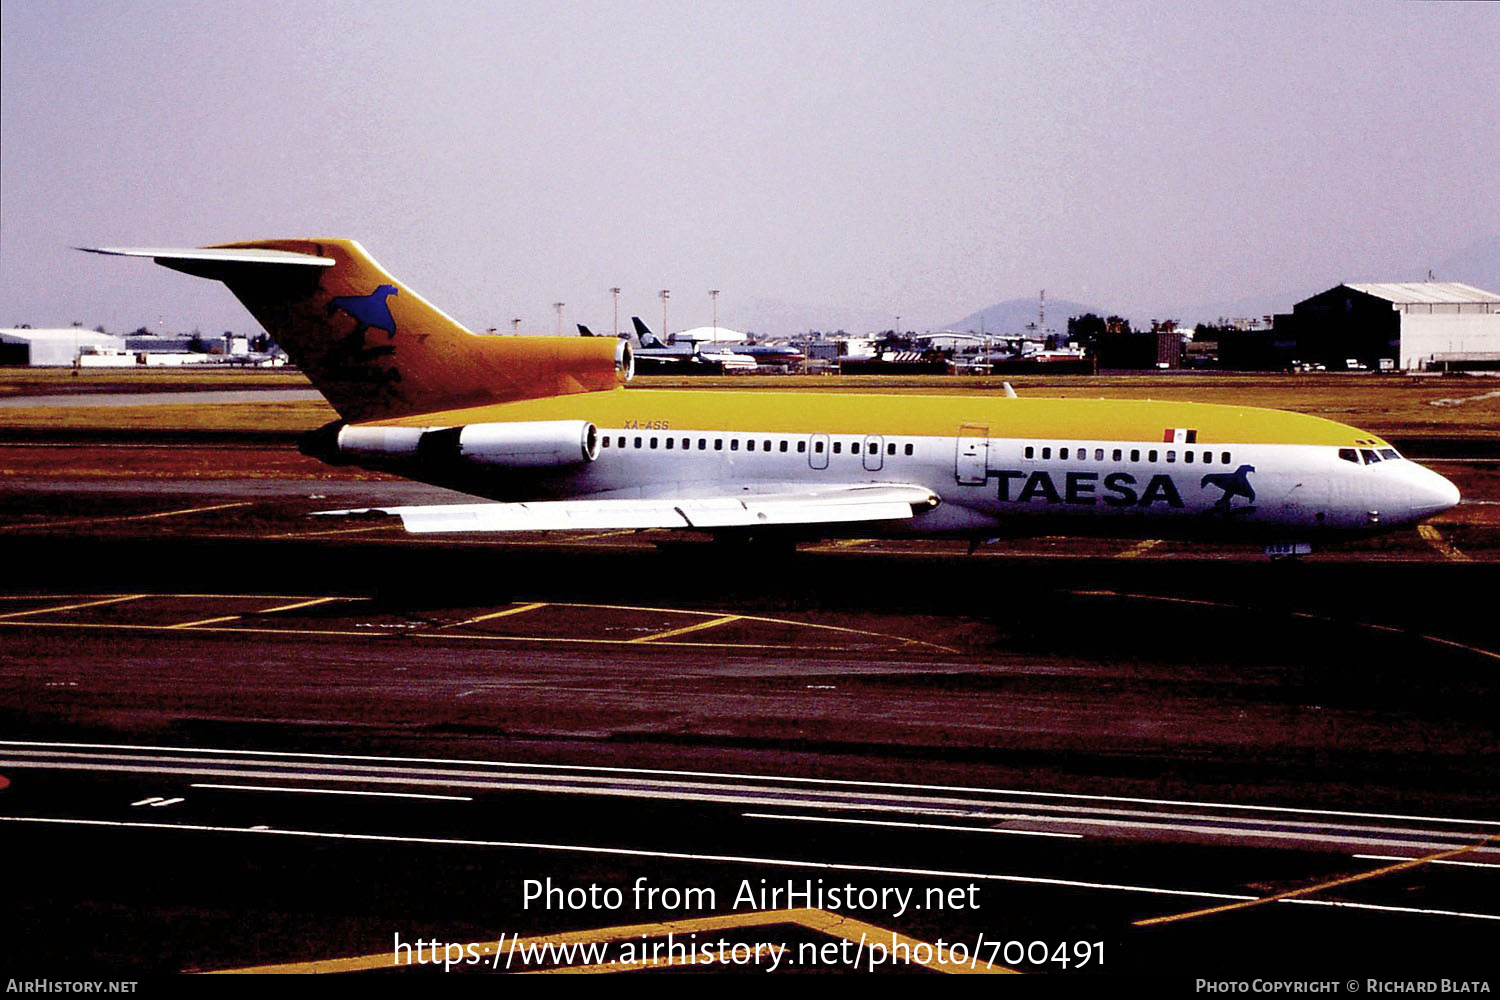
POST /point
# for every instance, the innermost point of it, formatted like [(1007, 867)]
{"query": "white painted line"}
[(914, 826), (1399, 857), (736, 859), (786, 779), (639, 853), (146, 802), (167, 802), (335, 791), (1391, 909)]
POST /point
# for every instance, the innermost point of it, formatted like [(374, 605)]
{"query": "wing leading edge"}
[(829, 505)]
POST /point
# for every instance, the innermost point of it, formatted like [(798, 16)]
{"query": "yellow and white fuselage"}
[(543, 428), (996, 465)]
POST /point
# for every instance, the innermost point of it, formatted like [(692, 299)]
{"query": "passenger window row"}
[(1118, 455), (750, 444)]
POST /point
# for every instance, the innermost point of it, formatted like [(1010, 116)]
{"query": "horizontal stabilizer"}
[(824, 506), (218, 256)]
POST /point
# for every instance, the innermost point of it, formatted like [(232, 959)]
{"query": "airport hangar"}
[(24, 346), (1421, 325)]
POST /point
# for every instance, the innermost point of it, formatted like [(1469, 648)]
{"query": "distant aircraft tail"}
[(374, 348), (644, 334)]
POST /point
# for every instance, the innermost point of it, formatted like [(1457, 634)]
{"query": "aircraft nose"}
[(1430, 493)]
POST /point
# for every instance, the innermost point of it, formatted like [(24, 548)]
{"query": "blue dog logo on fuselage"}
[(369, 311), (1234, 484)]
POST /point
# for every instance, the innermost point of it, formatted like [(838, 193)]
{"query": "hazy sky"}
[(922, 159)]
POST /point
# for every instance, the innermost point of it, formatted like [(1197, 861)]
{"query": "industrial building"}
[(1415, 326), (63, 347)]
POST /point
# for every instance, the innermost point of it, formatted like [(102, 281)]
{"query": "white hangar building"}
[(25, 346), (1423, 325)]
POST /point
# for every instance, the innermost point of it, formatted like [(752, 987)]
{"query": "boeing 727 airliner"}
[(543, 429)]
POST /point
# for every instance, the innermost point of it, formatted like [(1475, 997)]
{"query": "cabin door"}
[(973, 454)]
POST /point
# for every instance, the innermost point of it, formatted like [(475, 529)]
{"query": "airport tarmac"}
[(237, 736), (1162, 766)]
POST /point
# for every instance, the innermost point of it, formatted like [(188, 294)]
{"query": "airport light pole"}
[(713, 294), (559, 307), (665, 294), (616, 293)]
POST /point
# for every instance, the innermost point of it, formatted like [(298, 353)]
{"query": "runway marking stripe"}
[(1139, 549), (1397, 857), (913, 826), (73, 607), (128, 517), (846, 543), (1242, 827), (715, 623), (338, 531), (730, 859), (761, 618), (311, 602), (204, 621), (197, 625), (1293, 895), (417, 635), (733, 795), (637, 853), (783, 779), (334, 791), (1435, 538), (498, 614)]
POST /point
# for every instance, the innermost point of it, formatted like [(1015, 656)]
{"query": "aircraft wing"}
[(826, 505)]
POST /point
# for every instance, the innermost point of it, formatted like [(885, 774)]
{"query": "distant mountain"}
[(1012, 315)]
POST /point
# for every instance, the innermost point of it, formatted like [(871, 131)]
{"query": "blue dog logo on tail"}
[(1234, 484), (369, 311)]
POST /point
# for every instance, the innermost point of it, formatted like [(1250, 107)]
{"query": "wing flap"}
[(825, 506)]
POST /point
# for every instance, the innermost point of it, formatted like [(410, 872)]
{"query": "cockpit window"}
[(1349, 455), (1369, 456), (1389, 454)]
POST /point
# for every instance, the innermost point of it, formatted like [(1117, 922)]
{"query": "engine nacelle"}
[(525, 445), (536, 444), (354, 443)]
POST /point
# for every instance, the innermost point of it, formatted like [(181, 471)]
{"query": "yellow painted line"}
[(1139, 549), (130, 517), (522, 609), (847, 543), (685, 630), (822, 921), (588, 536), (786, 647), (658, 638), (337, 531), (204, 621), (72, 607), (760, 618), (168, 628), (693, 958), (310, 602), (1435, 538), (1309, 890)]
